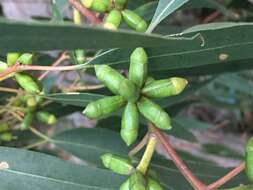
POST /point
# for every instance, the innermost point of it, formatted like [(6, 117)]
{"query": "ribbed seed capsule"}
[(6, 137), (103, 107), (130, 123), (27, 121), (117, 83), (46, 117), (119, 4), (27, 82), (97, 5), (154, 113), (249, 159), (26, 58), (137, 181), (117, 164), (125, 185), (113, 20), (138, 67), (3, 66), (4, 127), (164, 88), (153, 185), (134, 21), (12, 58), (110, 77)]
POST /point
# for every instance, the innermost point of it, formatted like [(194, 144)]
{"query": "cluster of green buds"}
[(116, 13), (136, 180), (134, 93), (5, 134), (32, 98)]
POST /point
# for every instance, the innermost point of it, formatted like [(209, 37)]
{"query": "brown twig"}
[(211, 17), (139, 146), (11, 90), (85, 12), (227, 177), (195, 182), (63, 57)]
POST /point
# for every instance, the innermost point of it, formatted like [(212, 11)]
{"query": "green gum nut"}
[(28, 83), (117, 164), (27, 121), (6, 137), (26, 58), (3, 66), (101, 6), (4, 127), (134, 21), (80, 56), (113, 20), (103, 107), (31, 102), (154, 113), (12, 58), (119, 4), (164, 88), (46, 118), (109, 77), (138, 67), (137, 181), (153, 185), (249, 159), (130, 123), (125, 185)]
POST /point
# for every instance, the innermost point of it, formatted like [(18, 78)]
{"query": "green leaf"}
[(192, 123), (30, 170), (219, 53), (84, 144), (241, 187), (164, 9), (74, 98), (90, 144), (34, 36)]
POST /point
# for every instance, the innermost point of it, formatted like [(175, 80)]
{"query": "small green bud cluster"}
[(136, 180), (116, 13), (32, 99), (134, 93)]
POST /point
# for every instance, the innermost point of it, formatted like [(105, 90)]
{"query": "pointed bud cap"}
[(179, 84)]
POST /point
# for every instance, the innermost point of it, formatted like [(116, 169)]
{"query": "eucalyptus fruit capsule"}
[(154, 113), (164, 88), (117, 83), (249, 159), (119, 4), (26, 58), (27, 121), (101, 6), (12, 58), (117, 164), (46, 117), (130, 123), (153, 185), (27, 82), (4, 127), (6, 137), (113, 20), (134, 21), (138, 67), (125, 185), (137, 181), (3, 66), (103, 107)]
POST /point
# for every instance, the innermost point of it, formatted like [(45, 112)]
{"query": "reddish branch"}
[(227, 177), (195, 182), (211, 17), (85, 12)]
